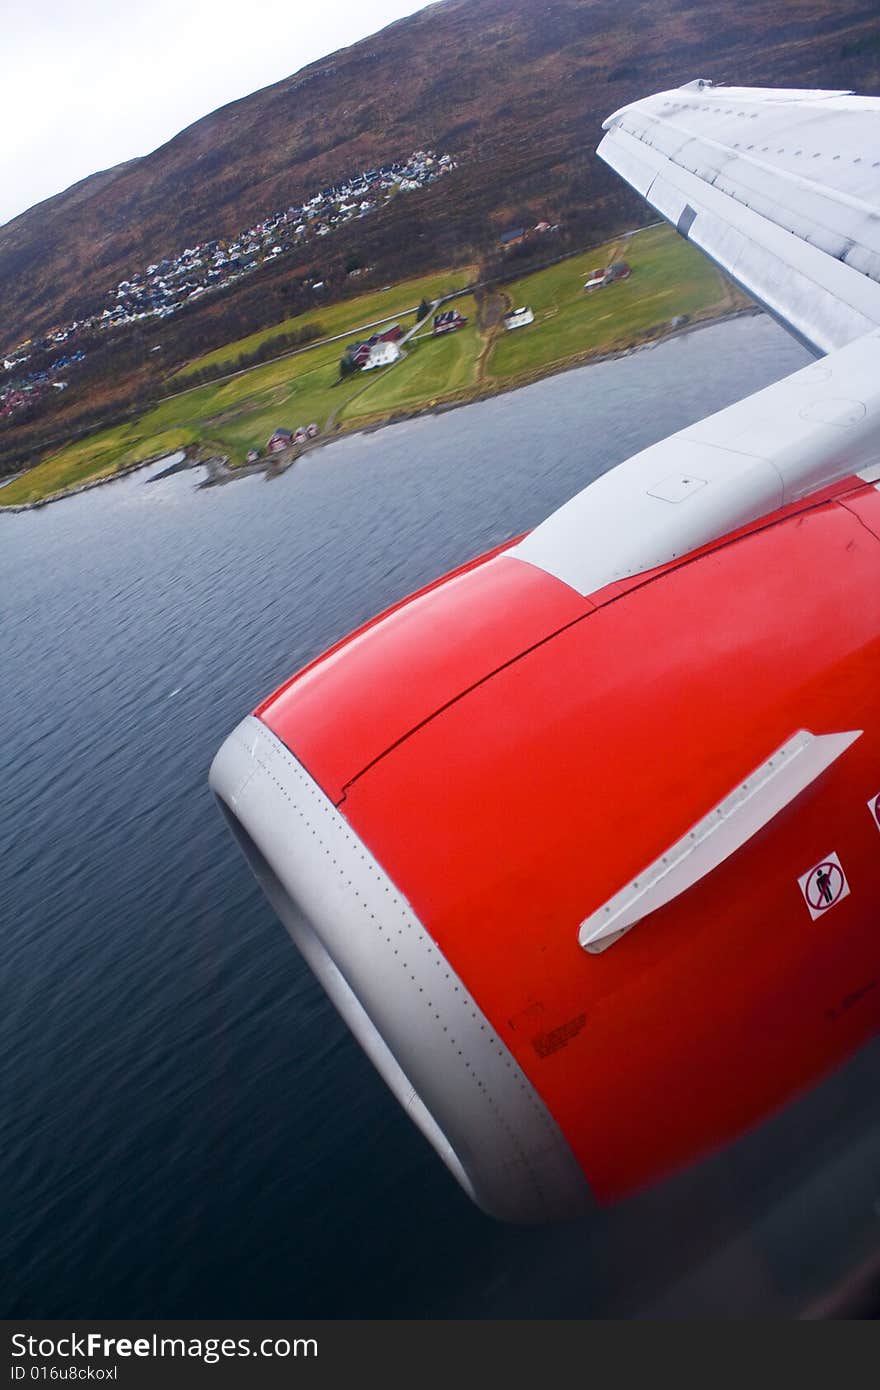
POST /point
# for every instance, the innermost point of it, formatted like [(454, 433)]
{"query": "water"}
[(187, 1128)]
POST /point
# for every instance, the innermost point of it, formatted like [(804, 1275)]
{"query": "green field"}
[(435, 369), (338, 318), (669, 277), (98, 456), (231, 416), (228, 418)]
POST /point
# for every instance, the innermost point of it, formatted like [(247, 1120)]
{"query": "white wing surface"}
[(780, 188)]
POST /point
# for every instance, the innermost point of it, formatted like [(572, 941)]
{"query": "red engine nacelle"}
[(440, 804)]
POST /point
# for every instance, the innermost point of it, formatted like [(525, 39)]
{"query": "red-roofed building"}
[(281, 439), (448, 321)]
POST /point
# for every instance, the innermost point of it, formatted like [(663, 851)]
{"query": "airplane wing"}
[(779, 188)]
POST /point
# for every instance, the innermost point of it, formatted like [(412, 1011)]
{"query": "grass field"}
[(435, 369), (98, 456), (669, 277), (338, 318), (229, 417)]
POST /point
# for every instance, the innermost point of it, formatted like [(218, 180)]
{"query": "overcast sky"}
[(85, 84)]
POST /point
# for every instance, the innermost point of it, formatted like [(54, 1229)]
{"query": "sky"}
[(85, 84)]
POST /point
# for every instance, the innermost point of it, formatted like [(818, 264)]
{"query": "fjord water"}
[(187, 1128)]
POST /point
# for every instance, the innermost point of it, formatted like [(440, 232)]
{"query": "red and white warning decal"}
[(824, 886), (874, 808)]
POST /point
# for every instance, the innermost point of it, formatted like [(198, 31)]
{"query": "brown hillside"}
[(515, 89)]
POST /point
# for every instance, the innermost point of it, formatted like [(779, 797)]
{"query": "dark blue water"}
[(187, 1128)]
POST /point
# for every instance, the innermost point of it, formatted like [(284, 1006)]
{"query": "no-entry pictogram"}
[(874, 808), (824, 886)]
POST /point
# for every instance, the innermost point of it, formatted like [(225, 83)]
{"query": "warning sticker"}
[(874, 808), (824, 886)]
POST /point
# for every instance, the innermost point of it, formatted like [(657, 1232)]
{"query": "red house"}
[(357, 353), (448, 321), (279, 440)]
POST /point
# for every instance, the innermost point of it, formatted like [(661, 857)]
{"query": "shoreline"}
[(220, 472), (86, 486)]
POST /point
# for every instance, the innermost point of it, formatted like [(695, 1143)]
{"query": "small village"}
[(164, 287), (23, 389)]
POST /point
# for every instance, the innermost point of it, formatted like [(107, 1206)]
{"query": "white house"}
[(382, 355), (518, 318), (597, 279)]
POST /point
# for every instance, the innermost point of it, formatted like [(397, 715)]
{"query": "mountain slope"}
[(515, 89)]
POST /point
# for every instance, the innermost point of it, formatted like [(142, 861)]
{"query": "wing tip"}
[(697, 84)]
